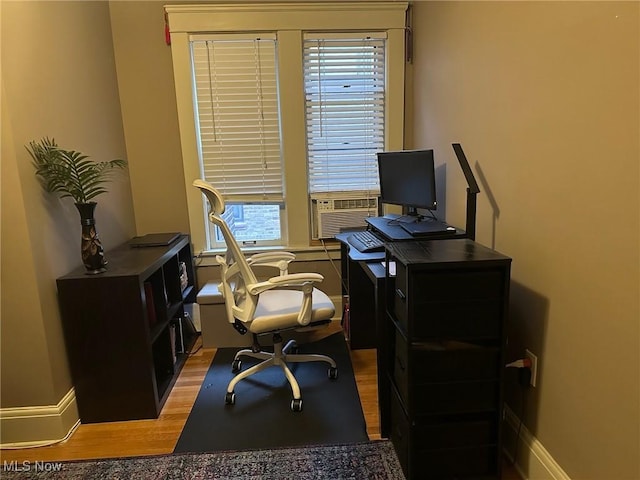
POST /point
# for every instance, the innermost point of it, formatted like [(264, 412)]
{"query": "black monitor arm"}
[(472, 191)]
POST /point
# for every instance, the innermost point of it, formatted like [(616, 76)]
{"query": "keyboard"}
[(365, 241)]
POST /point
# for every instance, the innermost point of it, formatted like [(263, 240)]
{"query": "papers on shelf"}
[(392, 267)]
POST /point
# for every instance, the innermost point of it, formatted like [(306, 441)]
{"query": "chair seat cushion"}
[(279, 309)]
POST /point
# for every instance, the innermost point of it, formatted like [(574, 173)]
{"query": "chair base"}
[(280, 357)]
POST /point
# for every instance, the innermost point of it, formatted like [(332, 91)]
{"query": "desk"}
[(363, 279), (440, 335)]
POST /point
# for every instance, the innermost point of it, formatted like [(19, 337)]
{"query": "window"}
[(238, 130), (297, 45), (344, 78)]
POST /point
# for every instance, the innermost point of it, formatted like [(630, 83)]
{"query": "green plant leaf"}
[(70, 173)]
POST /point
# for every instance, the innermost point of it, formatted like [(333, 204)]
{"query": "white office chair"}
[(283, 302)]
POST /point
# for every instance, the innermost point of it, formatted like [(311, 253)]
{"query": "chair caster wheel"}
[(230, 398), (236, 366), (296, 405), (333, 373)]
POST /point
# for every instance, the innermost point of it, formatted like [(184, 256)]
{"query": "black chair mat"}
[(262, 417)]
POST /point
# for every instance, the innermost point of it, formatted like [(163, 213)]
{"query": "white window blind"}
[(344, 78), (235, 82)]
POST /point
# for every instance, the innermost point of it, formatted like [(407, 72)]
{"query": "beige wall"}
[(58, 80), (543, 97), (149, 115)]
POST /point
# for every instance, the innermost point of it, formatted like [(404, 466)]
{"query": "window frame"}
[(289, 22)]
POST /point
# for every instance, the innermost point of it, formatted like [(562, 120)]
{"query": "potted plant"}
[(71, 174)]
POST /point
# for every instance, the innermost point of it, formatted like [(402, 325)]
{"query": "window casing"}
[(289, 25)]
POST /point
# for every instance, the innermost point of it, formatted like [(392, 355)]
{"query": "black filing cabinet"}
[(446, 311)]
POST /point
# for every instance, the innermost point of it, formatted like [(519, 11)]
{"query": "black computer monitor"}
[(407, 178)]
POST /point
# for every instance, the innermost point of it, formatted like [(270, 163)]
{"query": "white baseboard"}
[(533, 461), (23, 427)]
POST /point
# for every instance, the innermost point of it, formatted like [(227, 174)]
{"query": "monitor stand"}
[(411, 215), (409, 218), (393, 231), (428, 227)]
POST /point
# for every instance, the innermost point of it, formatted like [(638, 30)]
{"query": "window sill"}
[(330, 251)]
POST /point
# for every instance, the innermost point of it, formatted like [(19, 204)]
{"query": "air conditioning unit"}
[(332, 212)]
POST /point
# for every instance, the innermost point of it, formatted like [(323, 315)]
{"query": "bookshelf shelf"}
[(126, 332)]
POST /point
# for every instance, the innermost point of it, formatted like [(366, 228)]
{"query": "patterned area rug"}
[(358, 461)]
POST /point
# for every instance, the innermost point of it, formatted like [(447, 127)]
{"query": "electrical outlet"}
[(534, 366)]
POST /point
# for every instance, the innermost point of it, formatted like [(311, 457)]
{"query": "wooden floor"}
[(159, 436)]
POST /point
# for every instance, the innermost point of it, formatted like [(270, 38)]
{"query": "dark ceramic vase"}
[(91, 248)]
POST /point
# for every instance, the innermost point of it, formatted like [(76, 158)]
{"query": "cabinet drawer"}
[(446, 361), (401, 277), (460, 286), (470, 462), (452, 397), (401, 369), (400, 433), (456, 433), (400, 312), (445, 449), (480, 319)]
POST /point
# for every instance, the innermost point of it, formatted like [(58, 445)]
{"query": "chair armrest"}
[(279, 260), (303, 282), (296, 281)]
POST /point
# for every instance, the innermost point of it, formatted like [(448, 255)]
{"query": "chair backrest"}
[(236, 273)]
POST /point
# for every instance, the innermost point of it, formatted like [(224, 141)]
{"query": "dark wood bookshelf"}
[(118, 328)]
